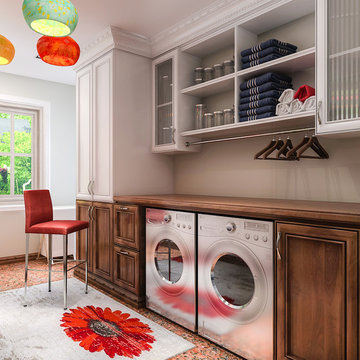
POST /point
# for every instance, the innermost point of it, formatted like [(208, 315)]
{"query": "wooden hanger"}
[(291, 155), (315, 145), (277, 146), (281, 155), (266, 148)]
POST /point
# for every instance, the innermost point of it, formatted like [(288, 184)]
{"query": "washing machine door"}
[(170, 276)]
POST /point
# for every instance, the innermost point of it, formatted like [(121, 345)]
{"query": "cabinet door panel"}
[(126, 271), (102, 240), (84, 100), (102, 127), (127, 226), (82, 213), (316, 293)]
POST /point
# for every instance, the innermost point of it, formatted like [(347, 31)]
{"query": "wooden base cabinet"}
[(317, 299), (100, 216)]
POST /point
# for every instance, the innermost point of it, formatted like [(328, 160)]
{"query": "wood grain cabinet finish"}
[(317, 279), (83, 209), (127, 269), (126, 226), (102, 239)]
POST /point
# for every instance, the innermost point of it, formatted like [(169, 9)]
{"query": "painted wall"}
[(62, 153)]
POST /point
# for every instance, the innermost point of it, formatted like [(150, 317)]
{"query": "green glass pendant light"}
[(55, 18)]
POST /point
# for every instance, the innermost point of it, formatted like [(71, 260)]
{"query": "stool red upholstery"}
[(39, 220)]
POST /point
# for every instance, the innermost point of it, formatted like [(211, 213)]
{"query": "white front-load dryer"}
[(235, 284), (170, 265)]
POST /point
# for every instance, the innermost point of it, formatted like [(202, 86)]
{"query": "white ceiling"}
[(145, 17)]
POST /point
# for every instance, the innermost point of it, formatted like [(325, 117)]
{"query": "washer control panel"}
[(257, 232), (174, 219)]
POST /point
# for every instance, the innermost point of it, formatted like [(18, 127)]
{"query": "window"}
[(18, 160)]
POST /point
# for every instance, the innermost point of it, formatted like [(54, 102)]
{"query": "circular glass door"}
[(233, 281), (168, 261)]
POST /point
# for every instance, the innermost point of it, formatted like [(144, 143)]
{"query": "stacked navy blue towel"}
[(266, 51), (259, 96)]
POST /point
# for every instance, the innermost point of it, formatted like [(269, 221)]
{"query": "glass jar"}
[(228, 116), (199, 115), (208, 120), (228, 67), (198, 75), (218, 118), (218, 70), (208, 73)]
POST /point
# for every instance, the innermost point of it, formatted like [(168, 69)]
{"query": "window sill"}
[(12, 207)]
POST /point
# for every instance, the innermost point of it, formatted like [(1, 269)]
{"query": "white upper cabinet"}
[(338, 66), (84, 132), (172, 111), (94, 130)]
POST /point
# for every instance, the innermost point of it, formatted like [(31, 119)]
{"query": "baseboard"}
[(17, 258)]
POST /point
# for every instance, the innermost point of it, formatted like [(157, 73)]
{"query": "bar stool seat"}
[(59, 227), (39, 220)]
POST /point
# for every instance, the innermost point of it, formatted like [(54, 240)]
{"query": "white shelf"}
[(212, 87), (271, 124), (299, 61)]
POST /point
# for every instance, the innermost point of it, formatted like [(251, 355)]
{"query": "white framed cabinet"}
[(94, 130), (172, 111), (338, 67)]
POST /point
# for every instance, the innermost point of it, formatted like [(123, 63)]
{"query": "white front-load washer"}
[(235, 284), (170, 265)]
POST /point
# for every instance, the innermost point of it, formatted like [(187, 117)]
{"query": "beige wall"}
[(228, 169)]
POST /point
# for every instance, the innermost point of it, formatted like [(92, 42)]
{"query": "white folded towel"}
[(296, 106), (282, 109), (287, 96), (310, 104)]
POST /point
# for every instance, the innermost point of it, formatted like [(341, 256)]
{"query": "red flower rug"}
[(116, 333), (104, 330)]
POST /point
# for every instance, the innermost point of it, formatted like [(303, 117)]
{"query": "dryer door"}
[(170, 276)]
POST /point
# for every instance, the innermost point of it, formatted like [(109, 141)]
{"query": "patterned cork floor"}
[(12, 277)]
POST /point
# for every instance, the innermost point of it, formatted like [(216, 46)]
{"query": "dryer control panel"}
[(257, 232), (174, 219)]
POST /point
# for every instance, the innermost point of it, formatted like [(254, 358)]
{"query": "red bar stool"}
[(39, 220)]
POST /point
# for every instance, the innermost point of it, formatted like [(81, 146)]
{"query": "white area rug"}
[(35, 332)]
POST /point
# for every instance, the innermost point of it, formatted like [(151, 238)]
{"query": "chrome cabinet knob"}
[(230, 227), (167, 218)]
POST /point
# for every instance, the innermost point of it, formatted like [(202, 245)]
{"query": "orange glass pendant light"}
[(58, 51), (7, 51)]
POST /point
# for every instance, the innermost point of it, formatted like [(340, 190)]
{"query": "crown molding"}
[(217, 15), (114, 38)]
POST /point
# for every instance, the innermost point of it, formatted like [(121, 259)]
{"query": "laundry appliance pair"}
[(213, 275)]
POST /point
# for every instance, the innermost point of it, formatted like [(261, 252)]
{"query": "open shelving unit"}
[(223, 92)]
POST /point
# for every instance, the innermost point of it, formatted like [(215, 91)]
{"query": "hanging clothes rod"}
[(248, 136)]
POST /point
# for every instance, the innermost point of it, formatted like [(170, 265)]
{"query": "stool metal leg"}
[(27, 236), (50, 260), (86, 258), (65, 250)]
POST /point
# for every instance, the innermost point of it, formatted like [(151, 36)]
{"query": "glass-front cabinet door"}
[(163, 130), (338, 66)]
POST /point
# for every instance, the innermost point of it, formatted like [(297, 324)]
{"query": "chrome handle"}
[(88, 187), (277, 245), (318, 111), (124, 253), (173, 135), (92, 187), (92, 213), (89, 209), (124, 209)]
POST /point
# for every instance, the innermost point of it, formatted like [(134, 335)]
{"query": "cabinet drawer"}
[(127, 269), (127, 226)]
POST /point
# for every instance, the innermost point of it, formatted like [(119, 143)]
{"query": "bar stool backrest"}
[(38, 207)]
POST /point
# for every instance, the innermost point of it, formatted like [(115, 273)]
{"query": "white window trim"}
[(43, 108)]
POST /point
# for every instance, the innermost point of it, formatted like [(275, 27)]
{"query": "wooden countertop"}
[(316, 211)]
